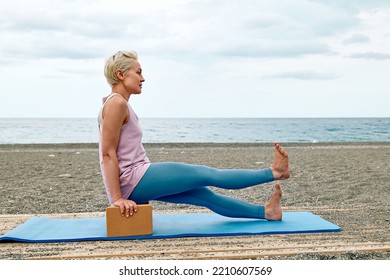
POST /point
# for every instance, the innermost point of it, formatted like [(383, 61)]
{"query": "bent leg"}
[(220, 204), (169, 178)]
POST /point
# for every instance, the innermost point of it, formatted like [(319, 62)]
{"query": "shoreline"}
[(206, 144)]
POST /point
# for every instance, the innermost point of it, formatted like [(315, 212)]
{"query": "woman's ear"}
[(119, 74)]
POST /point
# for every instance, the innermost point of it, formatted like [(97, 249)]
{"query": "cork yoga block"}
[(140, 223)]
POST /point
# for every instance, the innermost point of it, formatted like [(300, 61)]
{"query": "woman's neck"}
[(119, 90)]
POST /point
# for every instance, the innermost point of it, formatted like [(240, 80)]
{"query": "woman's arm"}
[(115, 114)]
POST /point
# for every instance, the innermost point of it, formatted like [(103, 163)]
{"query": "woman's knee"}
[(204, 193)]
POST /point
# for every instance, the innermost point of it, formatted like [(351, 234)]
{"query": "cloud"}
[(60, 29), (371, 55), (87, 29), (353, 6), (302, 75), (356, 38), (248, 28), (268, 30)]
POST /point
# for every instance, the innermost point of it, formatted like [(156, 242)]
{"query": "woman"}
[(131, 179)]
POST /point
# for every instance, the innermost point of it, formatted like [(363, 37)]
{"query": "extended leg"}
[(169, 178)]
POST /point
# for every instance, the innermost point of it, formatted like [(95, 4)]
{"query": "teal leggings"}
[(188, 184)]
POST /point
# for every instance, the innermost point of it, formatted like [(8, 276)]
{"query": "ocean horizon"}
[(202, 130)]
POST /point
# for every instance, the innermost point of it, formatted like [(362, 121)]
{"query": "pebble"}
[(65, 175)]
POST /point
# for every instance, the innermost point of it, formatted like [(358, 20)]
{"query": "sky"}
[(200, 58)]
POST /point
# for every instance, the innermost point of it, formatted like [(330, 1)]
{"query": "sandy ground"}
[(347, 184)]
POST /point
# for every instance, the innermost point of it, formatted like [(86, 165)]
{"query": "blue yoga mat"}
[(40, 229)]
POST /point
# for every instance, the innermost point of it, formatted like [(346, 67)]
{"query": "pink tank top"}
[(132, 159)]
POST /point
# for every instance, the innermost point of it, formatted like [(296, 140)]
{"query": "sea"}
[(202, 130)]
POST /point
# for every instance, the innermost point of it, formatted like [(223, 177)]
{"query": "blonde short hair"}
[(122, 61)]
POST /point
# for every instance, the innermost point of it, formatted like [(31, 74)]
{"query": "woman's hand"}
[(127, 207)]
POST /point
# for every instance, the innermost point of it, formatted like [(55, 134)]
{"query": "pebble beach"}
[(345, 183)]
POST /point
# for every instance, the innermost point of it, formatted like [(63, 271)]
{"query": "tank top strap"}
[(105, 99)]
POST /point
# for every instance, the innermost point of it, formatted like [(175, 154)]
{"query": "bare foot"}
[(273, 209), (279, 167)]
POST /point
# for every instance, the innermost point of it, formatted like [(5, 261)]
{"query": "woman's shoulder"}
[(116, 105), (116, 100)]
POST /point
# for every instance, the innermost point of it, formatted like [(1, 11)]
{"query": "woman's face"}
[(133, 78)]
